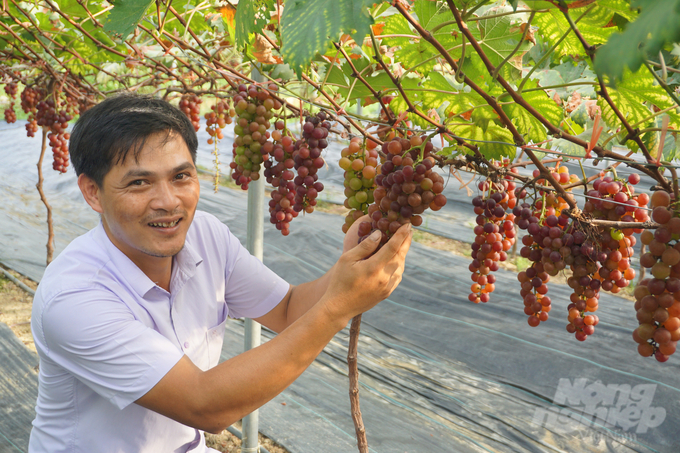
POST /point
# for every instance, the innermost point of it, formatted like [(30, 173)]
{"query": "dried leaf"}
[(262, 50)]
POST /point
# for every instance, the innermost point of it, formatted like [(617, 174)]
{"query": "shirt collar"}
[(186, 262)]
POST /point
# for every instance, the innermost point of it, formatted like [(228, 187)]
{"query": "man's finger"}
[(365, 247), (352, 237), (395, 243)]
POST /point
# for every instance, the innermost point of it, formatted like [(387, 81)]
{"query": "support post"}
[(255, 245)]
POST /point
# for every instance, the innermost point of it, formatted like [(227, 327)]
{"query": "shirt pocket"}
[(214, 339)]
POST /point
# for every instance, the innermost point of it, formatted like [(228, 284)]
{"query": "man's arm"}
[(214, 399), (301, 298)]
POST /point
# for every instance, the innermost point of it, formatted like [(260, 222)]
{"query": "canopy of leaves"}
[(439, 77)]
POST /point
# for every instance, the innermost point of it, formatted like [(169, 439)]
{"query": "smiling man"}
[(129, 319)]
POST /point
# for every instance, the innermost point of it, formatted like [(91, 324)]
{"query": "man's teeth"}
[(165, 225)]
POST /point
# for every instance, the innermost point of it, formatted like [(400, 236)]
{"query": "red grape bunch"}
[(30, 98), (406, 186), (279, 173), (616, 200), (494, 235), (57, 122), (307, 159), (360, 171), (253, 107), (10, 114), (658, 298), (190, 105), (217, 120)]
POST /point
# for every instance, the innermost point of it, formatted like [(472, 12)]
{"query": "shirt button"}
[(186, 344)]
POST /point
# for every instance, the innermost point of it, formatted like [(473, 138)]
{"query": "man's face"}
[(147, 204)]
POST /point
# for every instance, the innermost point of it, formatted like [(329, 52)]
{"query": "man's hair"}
[(105, 134)]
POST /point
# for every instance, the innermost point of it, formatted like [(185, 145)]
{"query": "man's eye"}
[(182, 176), (137, 182)]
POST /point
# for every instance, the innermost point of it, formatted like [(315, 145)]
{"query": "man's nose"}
[(165, 197)]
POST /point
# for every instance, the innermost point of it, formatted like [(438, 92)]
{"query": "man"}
[(129, 319)]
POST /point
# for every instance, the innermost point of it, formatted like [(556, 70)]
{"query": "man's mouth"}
[(164, 224)]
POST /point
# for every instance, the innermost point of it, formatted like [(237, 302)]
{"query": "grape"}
[(399, 195), (252, 108), (495, 235), (359, 165)]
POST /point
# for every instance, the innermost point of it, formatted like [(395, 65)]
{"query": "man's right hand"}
[(359, 281)]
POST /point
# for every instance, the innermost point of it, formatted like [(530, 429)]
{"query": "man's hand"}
[(358, 280), (352, 236), (214, 399)]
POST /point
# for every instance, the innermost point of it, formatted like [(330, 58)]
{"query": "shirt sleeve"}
[(93, 335), (252, 289)]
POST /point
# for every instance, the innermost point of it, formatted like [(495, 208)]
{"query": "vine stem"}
[(43, 198), (362, 443)]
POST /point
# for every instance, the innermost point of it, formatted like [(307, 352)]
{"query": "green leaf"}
[(671, 150), (552, 26), (503, 145), (251, 17), (656, 26), (308, 27), (396, 24), (415, 54), (526, 123), (125, 16), (499, 37), (620, 7), (634, 96), (434, 99)]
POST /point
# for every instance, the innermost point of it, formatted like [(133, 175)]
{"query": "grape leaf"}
[(396, 24), (412, 55), (634, 96), (251, 17), (125, 16), (503, 145), (499, 37), (308, 26), (620, 7), (526, 123), (552, 25), (656, 26)]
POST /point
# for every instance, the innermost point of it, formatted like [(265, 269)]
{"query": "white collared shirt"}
[(106, 334)]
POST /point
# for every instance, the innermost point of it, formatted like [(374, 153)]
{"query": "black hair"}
[(106, 133)]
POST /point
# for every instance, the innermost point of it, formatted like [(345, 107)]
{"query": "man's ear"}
[(91, 192)]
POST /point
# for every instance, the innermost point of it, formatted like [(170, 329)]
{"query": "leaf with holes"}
[(251, 17)]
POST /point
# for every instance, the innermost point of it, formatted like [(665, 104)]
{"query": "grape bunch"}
[(406, 185), (253, 107), (217, 120), (360, 170), (307, 161), (658, 298), (616, 200), (190, 105), (11, 90), (279, 173), (30, 97), (56, 121), (494, 235)]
